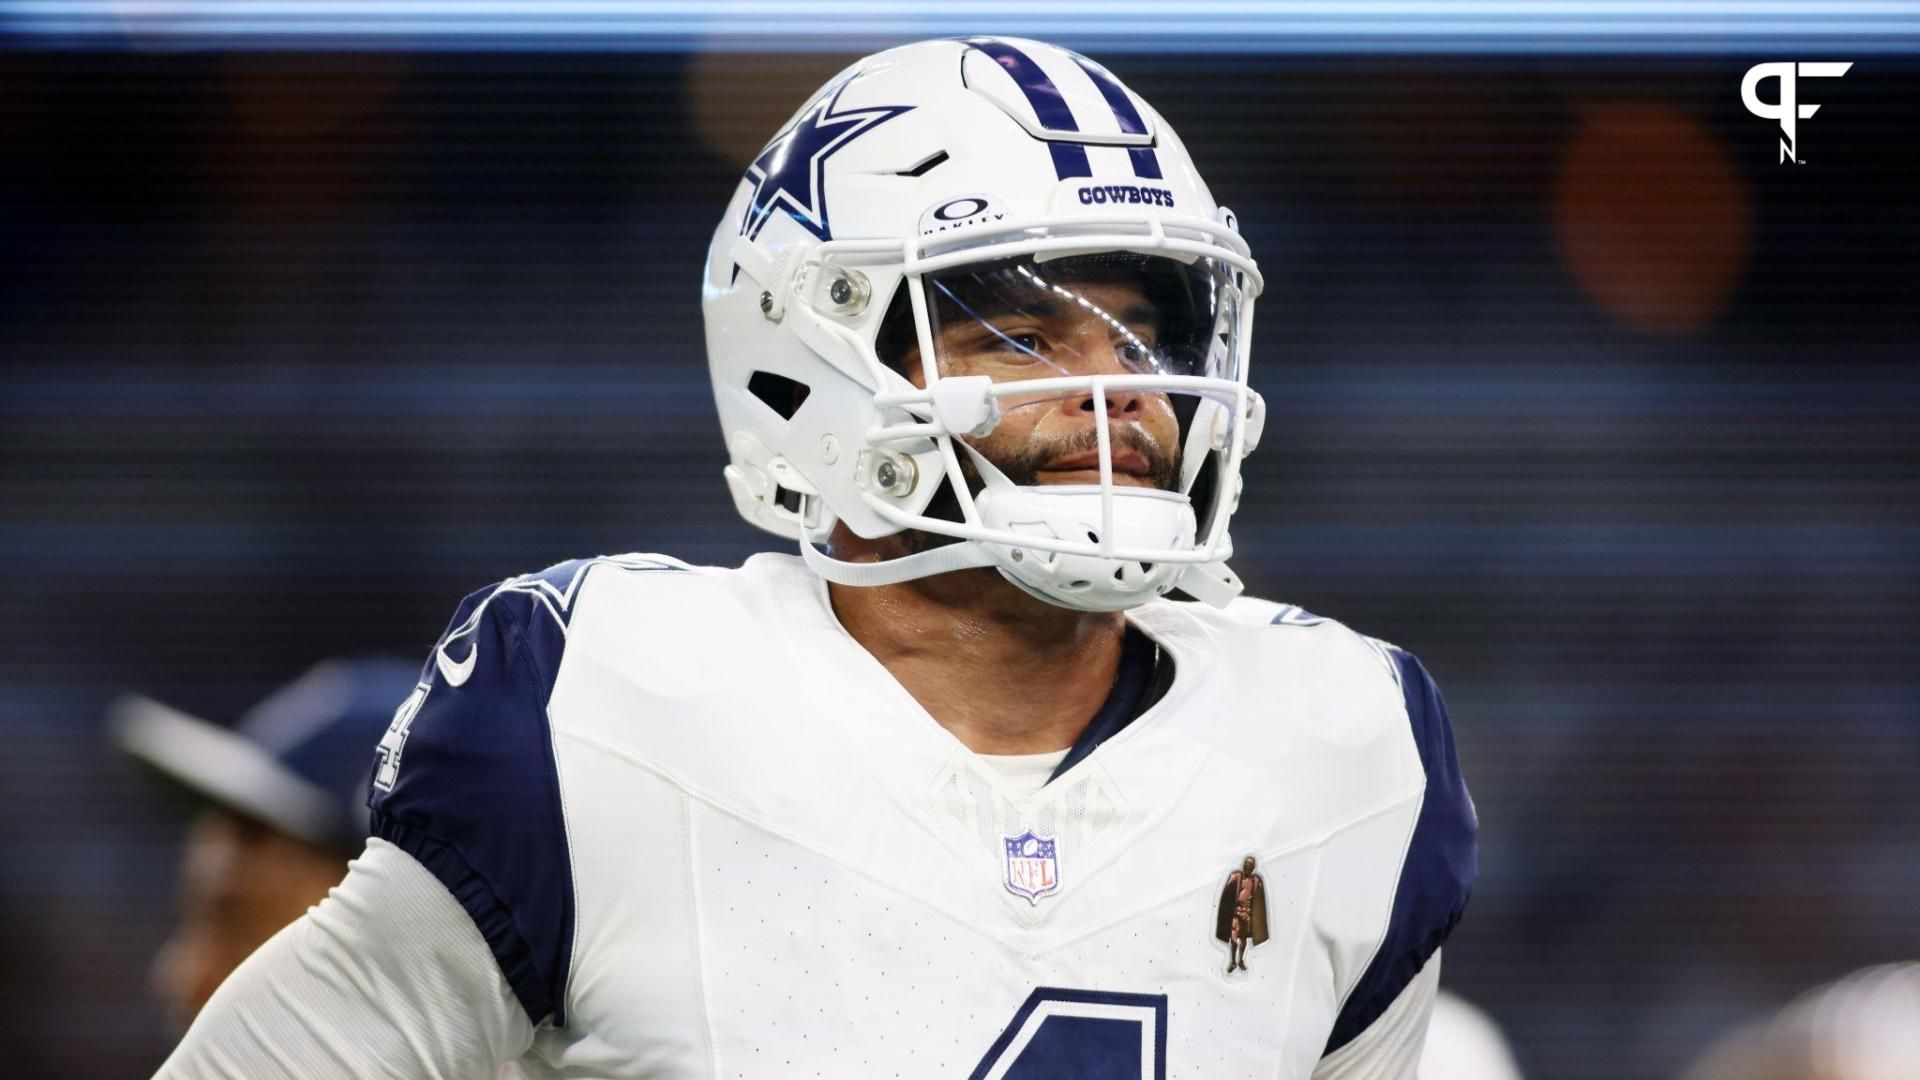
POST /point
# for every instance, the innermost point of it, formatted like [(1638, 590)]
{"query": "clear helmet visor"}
[(1151, 341)]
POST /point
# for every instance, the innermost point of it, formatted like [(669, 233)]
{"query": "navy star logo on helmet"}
[(788, 172)]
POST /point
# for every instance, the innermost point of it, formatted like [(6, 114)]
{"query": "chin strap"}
[(963, 555), (1211, 583)]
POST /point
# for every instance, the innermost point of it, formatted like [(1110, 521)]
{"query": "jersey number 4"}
[(1081, 1035), (386, 760)]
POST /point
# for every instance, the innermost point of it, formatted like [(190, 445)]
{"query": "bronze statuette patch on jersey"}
[(1241, 920)]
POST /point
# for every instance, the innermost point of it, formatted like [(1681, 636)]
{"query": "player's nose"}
[(1102, 356)]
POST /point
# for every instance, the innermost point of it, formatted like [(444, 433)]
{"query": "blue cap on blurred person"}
[(299, 761)]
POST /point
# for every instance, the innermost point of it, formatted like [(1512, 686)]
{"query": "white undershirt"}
[(1026, 773)]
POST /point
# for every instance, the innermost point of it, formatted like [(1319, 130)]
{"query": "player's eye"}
[(1018, 345), (1136, 355)]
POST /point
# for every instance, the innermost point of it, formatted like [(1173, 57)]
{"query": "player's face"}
[(1070, 328), (240, 882)]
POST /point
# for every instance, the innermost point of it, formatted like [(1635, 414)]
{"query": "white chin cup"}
[(1143, 518)]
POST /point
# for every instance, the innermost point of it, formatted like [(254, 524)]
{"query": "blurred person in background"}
[(1865, 1026), (283, 795)]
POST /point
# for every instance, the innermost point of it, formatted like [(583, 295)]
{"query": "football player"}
[(955, 792)]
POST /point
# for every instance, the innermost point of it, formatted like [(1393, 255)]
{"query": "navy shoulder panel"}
[(465, 782), (1440, 867)]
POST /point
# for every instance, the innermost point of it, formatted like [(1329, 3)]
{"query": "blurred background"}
[(310, 326)]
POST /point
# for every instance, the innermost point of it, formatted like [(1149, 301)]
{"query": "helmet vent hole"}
[(1093, 537), (926, 166), (777, 392)]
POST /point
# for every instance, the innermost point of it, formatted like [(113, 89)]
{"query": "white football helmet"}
[(1012, 211)]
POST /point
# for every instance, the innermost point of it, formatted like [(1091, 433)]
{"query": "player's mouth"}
[(1129, 467)]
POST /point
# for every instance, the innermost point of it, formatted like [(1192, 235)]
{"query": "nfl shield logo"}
[(1032, 869)]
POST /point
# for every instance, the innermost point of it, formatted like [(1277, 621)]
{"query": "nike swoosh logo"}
[(456, 672)]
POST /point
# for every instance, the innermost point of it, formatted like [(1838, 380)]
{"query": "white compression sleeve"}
[(1390, 1047), (386, 977)]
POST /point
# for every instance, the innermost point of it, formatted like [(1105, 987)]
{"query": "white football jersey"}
[(705, 833)]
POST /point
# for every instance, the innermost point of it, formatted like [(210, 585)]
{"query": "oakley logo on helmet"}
[(959, 208), (960, 213), (1125, 193)]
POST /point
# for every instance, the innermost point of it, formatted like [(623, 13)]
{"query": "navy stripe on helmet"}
[(1049, 105), (1146, 163), (1070, 160)]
